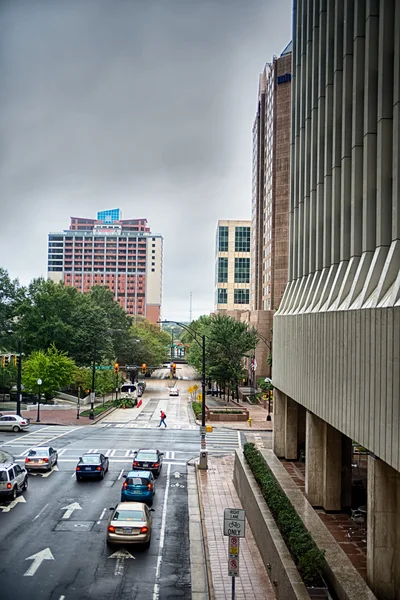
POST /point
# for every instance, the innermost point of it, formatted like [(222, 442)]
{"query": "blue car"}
[(139, 486), (92, 465)]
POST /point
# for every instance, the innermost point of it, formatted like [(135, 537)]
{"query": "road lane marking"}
[(13, 504), (61, 598), (108, 452), (73, 474), (70, 509), (101, 516), (38, 558), (23, 438), (156, 591), (120, 475), (61, 452), (40, 512), (120, 555)]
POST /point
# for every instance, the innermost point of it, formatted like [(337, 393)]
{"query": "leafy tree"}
[(8, 378), (147, 344), (11, 296), (53, 367)]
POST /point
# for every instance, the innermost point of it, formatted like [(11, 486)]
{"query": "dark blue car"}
[(90, 466), (139, 486)]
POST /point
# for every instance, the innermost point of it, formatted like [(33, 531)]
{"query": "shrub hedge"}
[(127, 402), (196, 409), (97, 409), (307, 557)]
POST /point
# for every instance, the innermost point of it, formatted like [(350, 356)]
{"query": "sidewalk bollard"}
[(249, 421)]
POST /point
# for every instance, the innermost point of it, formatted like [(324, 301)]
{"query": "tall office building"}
[(232, 266), (121, 254), (337, 331)]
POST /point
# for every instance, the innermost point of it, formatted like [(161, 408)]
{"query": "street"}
[(53, 542)]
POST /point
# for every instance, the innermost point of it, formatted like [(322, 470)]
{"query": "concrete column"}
[(302, 41), (314, 459), (332, 468), (383, 530), (358, 128), (396, 129), (347, 455), (347, 111), (278, 440), (321, 135), (313, 139), (291, 443), (301, 425)]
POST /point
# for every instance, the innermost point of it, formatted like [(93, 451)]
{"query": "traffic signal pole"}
[(19, 378)]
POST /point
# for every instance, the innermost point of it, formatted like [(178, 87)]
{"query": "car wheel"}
[(147, 545), (16, 429), (25, 484), (102, 475), (56, 461), (13, 494), (78, 478)]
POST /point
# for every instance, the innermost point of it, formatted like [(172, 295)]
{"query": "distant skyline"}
[(143, 106)]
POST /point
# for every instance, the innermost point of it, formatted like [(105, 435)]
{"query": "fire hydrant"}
[(250, 421)]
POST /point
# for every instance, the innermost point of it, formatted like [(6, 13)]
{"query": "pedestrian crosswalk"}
[(222, 441), (141, 425), (41, 437)]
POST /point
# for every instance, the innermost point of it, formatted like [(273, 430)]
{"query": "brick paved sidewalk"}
[(64, 416), (259, 422), (216, 491)]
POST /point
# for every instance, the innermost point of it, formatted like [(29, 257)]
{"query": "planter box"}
[(278, 562), (211, 416)]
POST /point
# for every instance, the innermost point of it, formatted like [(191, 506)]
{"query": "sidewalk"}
[(54, 416), (216, 492), (258, 416)]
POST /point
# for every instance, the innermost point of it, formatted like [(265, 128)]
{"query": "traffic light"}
[(17, 360), (3, 361), (116, 368), (144, 366), (173, 368)]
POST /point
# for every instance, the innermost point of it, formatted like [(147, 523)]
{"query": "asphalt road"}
[(48, 552)]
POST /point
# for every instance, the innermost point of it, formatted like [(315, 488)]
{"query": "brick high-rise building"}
[(121, 254)]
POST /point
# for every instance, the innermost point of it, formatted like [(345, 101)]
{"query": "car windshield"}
[(137, 481), (129, 515), (91, 459), (39, 452), (3, 476), (146, 456)]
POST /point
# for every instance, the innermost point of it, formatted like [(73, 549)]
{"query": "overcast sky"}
[(143, 105)]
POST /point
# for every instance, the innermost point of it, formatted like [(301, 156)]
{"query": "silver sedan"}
[(130, 523), (42, 458)]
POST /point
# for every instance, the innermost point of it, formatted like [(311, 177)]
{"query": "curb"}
[(201, 581)]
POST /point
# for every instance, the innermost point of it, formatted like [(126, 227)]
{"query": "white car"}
[(174, 392), (13, 423), (43, 458)]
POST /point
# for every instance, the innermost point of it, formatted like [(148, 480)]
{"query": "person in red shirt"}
[(163, 416)]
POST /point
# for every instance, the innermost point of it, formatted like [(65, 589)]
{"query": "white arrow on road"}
[(38, 558), (177, 475), (55, 468), (120, 555), (70, 509), (12, 504)]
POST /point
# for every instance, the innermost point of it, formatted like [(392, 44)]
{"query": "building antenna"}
[(190, 308)]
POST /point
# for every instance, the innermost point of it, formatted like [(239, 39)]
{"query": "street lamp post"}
[(78, 406), (39, 382), (92, 392), (203, 462), (19, 377)]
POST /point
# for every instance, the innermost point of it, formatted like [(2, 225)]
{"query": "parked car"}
[(13, 423), (91, 465), (43, 458), (139, 486), (148, 459), (13, 479), (130, 523), (173, 391)]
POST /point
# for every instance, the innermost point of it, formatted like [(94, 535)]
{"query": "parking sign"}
[(233, 567)]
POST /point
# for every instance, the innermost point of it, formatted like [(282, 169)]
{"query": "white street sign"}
[(120, 555), (234, 522), (203, 430), (38, 558), (70, 509), (233, 567), (12, 504)]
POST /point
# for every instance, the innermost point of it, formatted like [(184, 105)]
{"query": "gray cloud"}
[(147, 106)]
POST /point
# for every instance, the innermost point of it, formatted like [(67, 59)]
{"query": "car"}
[(130, 523), (42, 458), (139, 486), (13, 479), (148, 459), (91, 465), (13, 423), (173, 391)]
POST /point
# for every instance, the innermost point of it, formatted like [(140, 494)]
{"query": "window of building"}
[(242, 270), (222, 296), (241, 296), (242, 239), (222, 270), (223, 237)]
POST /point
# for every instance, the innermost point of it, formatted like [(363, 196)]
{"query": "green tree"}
[(11, 297), (8, 378), (147, 343), (53, 367)]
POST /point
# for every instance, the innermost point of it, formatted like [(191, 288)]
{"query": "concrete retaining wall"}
[(276, 557)]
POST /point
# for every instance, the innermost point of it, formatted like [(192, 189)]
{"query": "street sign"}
[(195, 387), (233, 567), (234, 522), (103, 368), (233, 546), (203, 430)]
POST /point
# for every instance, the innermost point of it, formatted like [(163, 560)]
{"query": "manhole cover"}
[(74, 526)]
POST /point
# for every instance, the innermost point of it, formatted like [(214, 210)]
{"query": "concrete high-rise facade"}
[(232, 266), (121, 254), (336, 339)]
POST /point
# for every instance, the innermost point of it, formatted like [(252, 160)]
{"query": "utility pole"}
[(92, 392), (19, 378)]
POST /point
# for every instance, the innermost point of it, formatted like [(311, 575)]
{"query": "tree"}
[(11, 296), (147, 344), (53, 367)]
